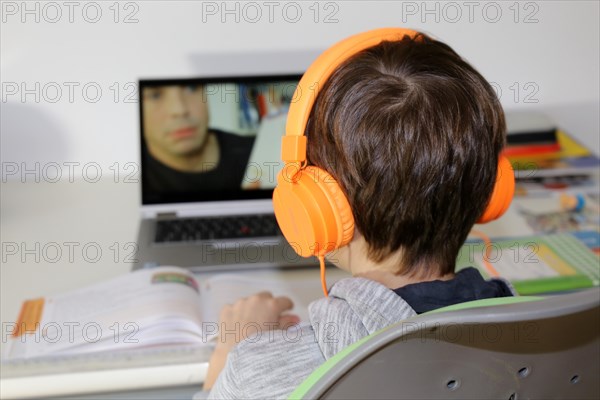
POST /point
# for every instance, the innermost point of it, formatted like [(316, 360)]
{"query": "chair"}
[(508, 348)]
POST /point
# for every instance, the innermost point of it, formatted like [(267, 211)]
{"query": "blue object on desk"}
[(590, 238)]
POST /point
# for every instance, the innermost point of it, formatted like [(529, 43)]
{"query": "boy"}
[(412, 134)]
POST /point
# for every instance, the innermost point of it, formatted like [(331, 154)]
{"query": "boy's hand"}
[(252, 315), (244, 318)]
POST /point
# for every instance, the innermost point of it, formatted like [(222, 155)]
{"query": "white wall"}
[(554, 58)]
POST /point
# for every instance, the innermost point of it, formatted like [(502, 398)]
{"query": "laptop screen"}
[(212, 139)]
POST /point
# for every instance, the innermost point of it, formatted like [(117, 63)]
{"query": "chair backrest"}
[(510, 348)]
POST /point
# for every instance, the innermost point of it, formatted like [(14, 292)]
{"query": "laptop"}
[(210, 154)]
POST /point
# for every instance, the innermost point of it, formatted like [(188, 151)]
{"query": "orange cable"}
[(323, 281), (488, 244)]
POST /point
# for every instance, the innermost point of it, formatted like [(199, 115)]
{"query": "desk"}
[(40, 217)]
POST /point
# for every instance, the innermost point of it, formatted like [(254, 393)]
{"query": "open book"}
[(148, 329), (143, 309)]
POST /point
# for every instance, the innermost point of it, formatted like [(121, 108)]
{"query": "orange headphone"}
[(310, 207)]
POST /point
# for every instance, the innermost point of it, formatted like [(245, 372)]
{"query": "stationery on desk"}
[(538, 264), (560, 212), (548, 158)]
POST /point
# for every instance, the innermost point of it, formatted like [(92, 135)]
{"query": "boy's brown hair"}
[(412, 133)]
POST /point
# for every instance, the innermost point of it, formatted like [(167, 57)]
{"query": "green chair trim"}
[(317, 374)]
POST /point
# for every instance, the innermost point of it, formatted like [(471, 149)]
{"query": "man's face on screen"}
[(175, 119)]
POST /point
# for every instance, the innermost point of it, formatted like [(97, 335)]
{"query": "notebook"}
[(538, 264), (210, 154)]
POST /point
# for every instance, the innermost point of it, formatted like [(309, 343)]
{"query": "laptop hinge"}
[(166, 215)]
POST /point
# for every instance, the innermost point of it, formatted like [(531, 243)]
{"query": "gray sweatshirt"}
[(272, 364)]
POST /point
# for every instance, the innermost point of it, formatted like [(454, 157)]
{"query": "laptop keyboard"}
[(214, 228)]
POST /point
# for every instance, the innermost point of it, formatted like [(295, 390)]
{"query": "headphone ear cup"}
[(504, 190), (343, 211), (313, 212)]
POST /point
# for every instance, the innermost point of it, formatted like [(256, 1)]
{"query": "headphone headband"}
[(293, 149)]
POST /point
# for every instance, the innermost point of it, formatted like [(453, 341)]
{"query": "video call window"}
[(212, 139)]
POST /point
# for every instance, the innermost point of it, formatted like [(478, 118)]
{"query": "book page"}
[(528, 264), (120, 313), (224, 289)]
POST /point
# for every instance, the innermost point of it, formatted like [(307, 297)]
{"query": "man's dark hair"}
[(412, 133)]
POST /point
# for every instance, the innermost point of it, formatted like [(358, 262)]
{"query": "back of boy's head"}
[(412, 133)]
